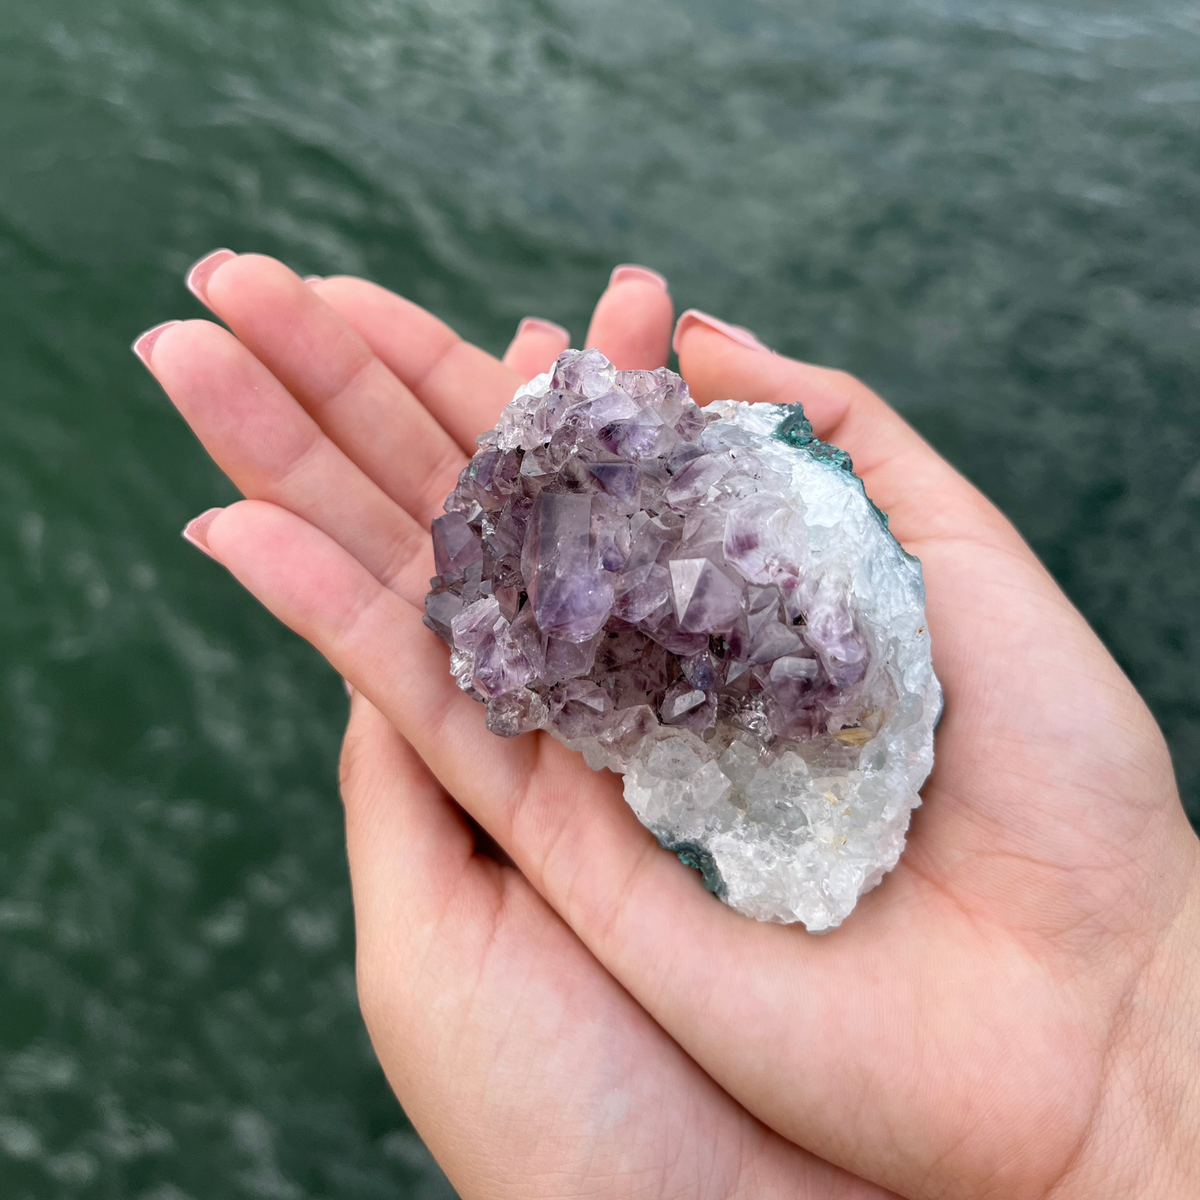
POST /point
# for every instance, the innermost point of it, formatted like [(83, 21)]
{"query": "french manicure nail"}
[(202, 272), (540, 325), (196, 530), (348, 686), (735, 333), (631, 272), (143, 344)]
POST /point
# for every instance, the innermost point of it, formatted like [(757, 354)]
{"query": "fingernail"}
[(313, 278), (348, 686), (202, 272), (539, 325), (196, 530), (735, 333), (631, 271), (143, 344)]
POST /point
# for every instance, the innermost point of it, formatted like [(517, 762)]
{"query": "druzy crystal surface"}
[(705, 601)]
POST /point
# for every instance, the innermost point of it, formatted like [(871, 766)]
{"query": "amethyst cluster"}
[(705, 601)]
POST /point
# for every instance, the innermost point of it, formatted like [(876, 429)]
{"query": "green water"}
[(987, 208)]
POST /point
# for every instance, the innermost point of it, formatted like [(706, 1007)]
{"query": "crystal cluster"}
[(705, 601)]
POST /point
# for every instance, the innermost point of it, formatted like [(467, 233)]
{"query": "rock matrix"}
[(705, 601)]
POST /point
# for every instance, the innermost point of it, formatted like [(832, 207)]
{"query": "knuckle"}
[(439, 477), (408, 565), (842, 383), (350, 764), (845, 379)]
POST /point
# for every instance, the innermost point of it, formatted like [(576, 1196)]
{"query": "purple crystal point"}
[(705, 601), (517, 712), (690, 707), (705, 598), (759, 539), (571, 597), (580, 708), (500, 667), (618, 479), (585, 373), (455, 544), (474, 623), (694, 480), (604, 410)]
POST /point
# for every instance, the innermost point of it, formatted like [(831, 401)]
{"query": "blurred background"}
[(985, 208)]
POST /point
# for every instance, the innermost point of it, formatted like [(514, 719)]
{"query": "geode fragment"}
[(705, 601)]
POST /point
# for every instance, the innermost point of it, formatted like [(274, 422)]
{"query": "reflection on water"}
[(985, 209)]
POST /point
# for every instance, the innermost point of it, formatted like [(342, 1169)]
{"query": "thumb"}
[(922, 494)]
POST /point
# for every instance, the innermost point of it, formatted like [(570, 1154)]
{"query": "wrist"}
[(1144, 1139)]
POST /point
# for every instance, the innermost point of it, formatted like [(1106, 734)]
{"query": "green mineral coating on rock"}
[(700, 860), (796, 430)]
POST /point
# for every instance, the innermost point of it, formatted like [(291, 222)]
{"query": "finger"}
[(922, 494), (503, 1038), (397, 813), (566, 829), (805, 1011), (986, 588), (377, 640), (626, 918), (332, 372), (631, 326), (638, 910), (272, 450), (986, 592), (374, 637), (535, 347), (462, 386)]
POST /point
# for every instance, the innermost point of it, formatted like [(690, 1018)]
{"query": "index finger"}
[(924, 496)]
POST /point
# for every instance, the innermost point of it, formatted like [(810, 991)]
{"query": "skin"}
[(1014, 1012)]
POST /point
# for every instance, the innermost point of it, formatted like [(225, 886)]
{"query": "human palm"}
[(583, 1018)]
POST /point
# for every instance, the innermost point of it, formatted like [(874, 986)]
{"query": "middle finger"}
[(466, 388)]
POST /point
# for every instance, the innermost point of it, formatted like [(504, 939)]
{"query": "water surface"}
[(986, 209)]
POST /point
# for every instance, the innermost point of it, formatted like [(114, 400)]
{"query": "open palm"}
[(589, 1021)]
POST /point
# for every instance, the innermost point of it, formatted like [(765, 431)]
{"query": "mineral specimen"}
[(705, 601)]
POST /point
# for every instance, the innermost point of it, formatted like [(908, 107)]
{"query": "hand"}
[(526, 1067), (1010, 1014)]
